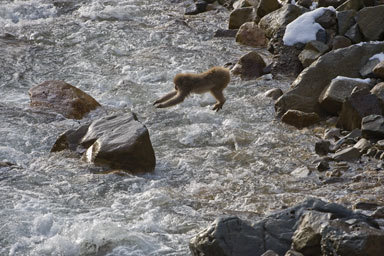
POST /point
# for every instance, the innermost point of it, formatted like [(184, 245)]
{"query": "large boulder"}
[(231, 236), (249, 66), (360, 104), (308, 86), (345, 20), (370, 21), (63, 98), (266, 6), (333, 96), (250, 34), (271, 22), (240, 16), (116, 141)]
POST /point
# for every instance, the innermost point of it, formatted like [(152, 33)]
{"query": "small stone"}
[(365, 206), (225, 33), (300, 119), (322, 166), (333, 133), (301, 172), (354, 34), (322, 147), (362, 145), (199, 7)]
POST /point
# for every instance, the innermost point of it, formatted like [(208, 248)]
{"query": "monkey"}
[(214, 80)]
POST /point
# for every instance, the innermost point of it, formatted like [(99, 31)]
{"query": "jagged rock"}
[(378, 70), (327, 19), (367, 69), (266, 6), (240, 16), (340, 42), (334, 3), (354, 34), (249, 66), (372, 126), (333, 96), (350, 154), (271, 22), (360, 104), (351, 5), (250, 34), (117, 141), (300, 119), (62, 98), (308, 86), (232, 236), (345, 20), (274, 93), (363, 145), (312, 51), (352, 238), (378, 90), (370, 21)]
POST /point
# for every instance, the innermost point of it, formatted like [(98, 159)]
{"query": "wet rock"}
[(323, 147), (365, 206), (312, 51), (379, 213), (350, 154), (372, 126), (249, 66), (301, 172), (370, 21), (300, 119), (345, 20), (367, 69), (231, 236), (332, 133), (334, 3), (62, 98), (363, 145), (351, 5), (378, 70), (274, 93), (250, 34), (117, 142), (340, 42), (352, 238), (240, 16), (266, 6), (359, 105), (323, 165), (225, 33), (333, 96), (371, 152), (198, 7), (308, 86), (354, 34), (271, 22)]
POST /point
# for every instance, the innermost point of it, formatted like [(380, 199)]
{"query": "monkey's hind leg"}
[(173, 101), (165, 97), (219, 96)]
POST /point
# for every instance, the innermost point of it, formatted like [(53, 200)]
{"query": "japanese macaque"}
[(213, 80)]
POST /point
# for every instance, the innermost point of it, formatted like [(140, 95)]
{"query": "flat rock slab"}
[(63, 98)]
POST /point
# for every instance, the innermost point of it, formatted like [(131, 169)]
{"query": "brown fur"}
[(214, 80)]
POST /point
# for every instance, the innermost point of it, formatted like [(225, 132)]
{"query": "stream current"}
[(125, 54)]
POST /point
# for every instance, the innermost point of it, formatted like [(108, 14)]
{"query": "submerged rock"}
[(117, 141), (62, 98)]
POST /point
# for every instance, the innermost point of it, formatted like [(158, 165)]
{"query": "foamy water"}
[(125, 54)]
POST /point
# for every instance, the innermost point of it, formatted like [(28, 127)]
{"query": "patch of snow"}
[(304, 28), (367, 80), (379, 56)]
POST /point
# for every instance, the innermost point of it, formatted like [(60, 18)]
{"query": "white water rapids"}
[(125, 54)]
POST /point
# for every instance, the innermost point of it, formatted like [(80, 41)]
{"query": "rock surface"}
[(370, 21), (378, 70), (240, 16), (250, 34), (62, 98), (372, 126), (308, 86), (249, 66), (266, 6), (117, 142), (300, 119)]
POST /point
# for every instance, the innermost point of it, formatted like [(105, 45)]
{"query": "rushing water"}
[(125, 53)]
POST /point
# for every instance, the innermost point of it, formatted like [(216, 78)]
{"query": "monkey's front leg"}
[(173, 101), (218, 94), (165, 97)]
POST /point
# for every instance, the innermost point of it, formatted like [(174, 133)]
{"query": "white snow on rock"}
[(304, 28), (379, 56), (367, 80)]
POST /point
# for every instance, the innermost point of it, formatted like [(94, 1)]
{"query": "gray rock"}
[(333, 96), (323, 165), (271, 22), (354, 34), (378, 90), (300, 119), (363, 145), (350, 154), (378, 70), (351, 5), (249, 66), (360, 104), (312, 51), (367, 69), (308, 86), (352, 238), (345, 20), (340, 42), (332, 133), (372, 126), (274, 93), (370, 21), (198, 7), (327, 19), (323, 147), (305, 3), (266, 6), (250, 34), (117, 142), (240, 16), (270, 253)]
